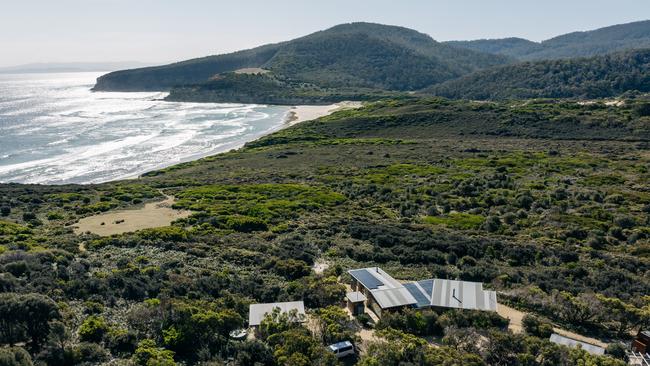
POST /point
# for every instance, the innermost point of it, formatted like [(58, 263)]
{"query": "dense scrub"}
[(597, 77), (546, 202), (576, 44)]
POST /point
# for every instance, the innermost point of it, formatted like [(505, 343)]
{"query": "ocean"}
[(54, 130)]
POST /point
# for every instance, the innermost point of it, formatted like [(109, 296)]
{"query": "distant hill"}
[(54, 67), (577, 44), (595, 77), (363, 55)]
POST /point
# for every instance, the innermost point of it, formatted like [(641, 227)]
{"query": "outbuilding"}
[(257, 312)]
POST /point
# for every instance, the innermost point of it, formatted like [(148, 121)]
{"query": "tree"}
[(297, 347), (5, 210), (253, 353), (334, 325), (624, 317), (325, 291), (395, 348), (277, 322)]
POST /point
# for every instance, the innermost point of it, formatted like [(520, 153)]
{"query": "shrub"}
[(5, 210), (91, 353), (14, 356), (536, 326), (148, 353), (93, 329), (418, 322), (617, 350)]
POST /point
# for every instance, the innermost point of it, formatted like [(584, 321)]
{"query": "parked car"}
[(342, 349)]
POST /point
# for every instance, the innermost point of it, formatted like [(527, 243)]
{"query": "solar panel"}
[(367, 279), (427, 285), (422, 300)]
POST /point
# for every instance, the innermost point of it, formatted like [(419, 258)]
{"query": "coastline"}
[(295, 115), (302, 113)]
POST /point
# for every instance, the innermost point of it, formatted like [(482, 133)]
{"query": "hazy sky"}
[(169, 30)]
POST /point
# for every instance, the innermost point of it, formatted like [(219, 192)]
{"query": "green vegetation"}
[(577, 44), (597, 77), (544, 201), (356, 55)]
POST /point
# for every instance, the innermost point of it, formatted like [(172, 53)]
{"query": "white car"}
[(341, 349)]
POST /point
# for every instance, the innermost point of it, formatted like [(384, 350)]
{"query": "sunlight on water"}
[(54, 130)]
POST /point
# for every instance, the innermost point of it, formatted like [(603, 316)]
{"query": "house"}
[(384, 293), (569, 342), (257, 312)]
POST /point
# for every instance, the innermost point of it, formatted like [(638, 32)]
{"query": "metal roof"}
[(257, 312), (388, 292), (462, 295), (594, 350), (340, 345), (452, 294), (393, 297), (355, 296)]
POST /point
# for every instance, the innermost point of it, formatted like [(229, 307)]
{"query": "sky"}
[(158, 31)]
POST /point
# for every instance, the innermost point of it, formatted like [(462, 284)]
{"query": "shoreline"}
[(303, 113)]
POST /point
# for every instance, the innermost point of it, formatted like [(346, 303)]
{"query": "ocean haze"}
[(54, 130)]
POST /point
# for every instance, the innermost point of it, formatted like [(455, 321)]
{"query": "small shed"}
[(569, 342), (641, 343), (257, 312), (356, 302)]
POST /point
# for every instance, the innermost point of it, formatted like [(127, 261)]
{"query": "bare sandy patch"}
[(152, 215), (303, 113), (251, 71)]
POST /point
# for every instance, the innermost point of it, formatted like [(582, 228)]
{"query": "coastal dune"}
[(304, 113)]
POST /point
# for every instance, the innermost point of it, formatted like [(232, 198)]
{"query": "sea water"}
[(54, 130)]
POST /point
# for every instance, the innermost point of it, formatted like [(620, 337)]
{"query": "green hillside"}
[(349, 55), (596, 77), (577, 44)]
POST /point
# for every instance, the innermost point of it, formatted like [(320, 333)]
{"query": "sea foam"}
[(54, 130)]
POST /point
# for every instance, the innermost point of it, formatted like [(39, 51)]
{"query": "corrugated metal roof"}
[(462, 295), (257, 312), (594, 350), (393, 297), (340, 345), (388, 292), (355, 296)]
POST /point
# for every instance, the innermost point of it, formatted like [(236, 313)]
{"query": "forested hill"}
[(348, 55), (577, 44), (596, 77)]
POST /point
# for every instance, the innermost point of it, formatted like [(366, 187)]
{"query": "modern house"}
[(257, 312), (384, 293)]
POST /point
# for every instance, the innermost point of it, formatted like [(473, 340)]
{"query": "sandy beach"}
[(304, 113)]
